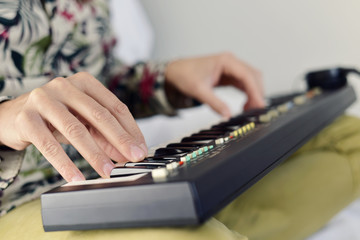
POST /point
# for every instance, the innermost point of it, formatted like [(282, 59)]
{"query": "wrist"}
[(8, 112)]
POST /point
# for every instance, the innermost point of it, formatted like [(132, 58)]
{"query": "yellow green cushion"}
[(302, 194), (293, 201)]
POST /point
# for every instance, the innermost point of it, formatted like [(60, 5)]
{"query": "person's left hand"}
[(196, 77)]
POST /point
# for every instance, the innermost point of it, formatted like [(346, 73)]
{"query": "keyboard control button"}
[(159, 174), (244, 130), (265, 118), (172, 166), (317, 91), (300, 100), (219, 141), (186, 144), (273, 113), (200, 140), (283, 108)]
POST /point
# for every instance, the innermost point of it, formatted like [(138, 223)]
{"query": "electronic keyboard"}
[(186, 182)]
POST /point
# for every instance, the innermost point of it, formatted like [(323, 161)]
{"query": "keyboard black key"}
[(225, 128), (189, 144), (172, 158), (207, 135), (203, 139), (185, 148), (170, 152), (198, 138), (234, 122), (215, 132)]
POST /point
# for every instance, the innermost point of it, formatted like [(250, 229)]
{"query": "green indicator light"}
[(187, 158), (211, 146), (194, 155), (200, 152), (206, 149)]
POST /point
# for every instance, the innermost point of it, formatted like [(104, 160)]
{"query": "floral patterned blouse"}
[(43, 39)]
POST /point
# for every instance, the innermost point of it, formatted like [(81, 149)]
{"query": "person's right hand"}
[(78, 110)]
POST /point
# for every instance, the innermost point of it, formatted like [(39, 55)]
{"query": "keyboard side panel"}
[(132, 206)]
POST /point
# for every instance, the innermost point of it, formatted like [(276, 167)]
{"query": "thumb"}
[(208, 96)]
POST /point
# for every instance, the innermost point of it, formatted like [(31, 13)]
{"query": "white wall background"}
[(134, 31), (283, 38)]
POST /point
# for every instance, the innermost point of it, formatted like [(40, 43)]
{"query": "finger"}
[(105, 122), (104, 144), (250, 103), (244, 81), (75, 132), (207, 95), (256, 74), (38, 134), (59, 137), (107, 147), (248, 106), (107, 99)]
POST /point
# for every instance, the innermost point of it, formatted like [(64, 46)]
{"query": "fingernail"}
[(108, 167), (144, 148), (77, 178), (136, 153)]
